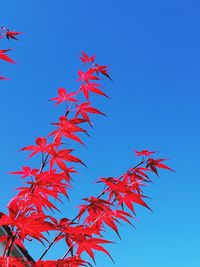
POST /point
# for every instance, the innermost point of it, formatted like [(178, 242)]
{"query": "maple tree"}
[(31, 212)]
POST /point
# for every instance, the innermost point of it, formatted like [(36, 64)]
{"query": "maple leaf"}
[(141, 173), (64, 96), (88, 244), (81, 237), (67, 128), (51, 176), (86, 59), (93, 87), (52, 184), (144, 152), (12, 34), (74, 234), (129, 198), (100, 212), (59, 156), (41, 146), (87, 76), (33, 226), (124, 192), (103, 70), (46, 184), (95, 205), (26, 171), (70, 125), (38, 198), (85, 108), (5, 57), (153, 164), (136, 177)]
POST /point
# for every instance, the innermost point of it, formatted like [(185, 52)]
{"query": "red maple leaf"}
[(86, 59), (67, 128), (103, 70), (87, 76), (64, 96), (87, 245), (28, 201), (31, 226), (136, 177), (3, 56), (124, 192), (153, 164), (60, 156), (144, 152), (41, 146), (26, 171), (100, 212), (12, 34), (81, 237), (85, 108), (93, 87)]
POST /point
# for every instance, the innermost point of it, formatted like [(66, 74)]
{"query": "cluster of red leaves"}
[(17, 262), (31, 211), (5, 32)]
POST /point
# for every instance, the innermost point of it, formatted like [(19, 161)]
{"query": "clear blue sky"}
[(152, 48)]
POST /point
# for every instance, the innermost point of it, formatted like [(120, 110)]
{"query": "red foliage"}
[(30, 211), (5, 32)]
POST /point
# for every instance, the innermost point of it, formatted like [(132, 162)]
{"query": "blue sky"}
[(152, 49)]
